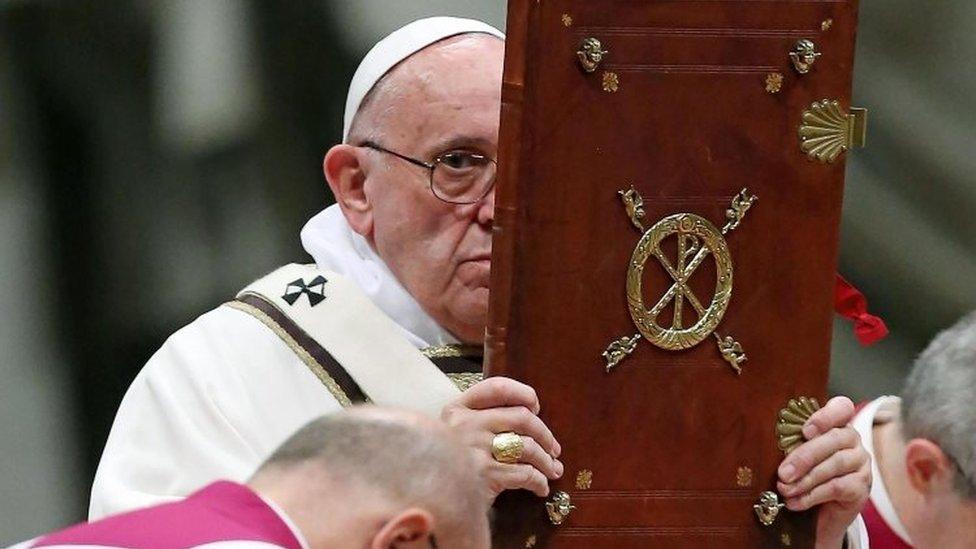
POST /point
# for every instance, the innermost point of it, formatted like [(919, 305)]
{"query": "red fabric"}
[(222, 511), (850, 303), (880, 535)]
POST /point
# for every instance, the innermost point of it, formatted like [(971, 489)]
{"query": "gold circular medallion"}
[(507, 447), (698, 239)]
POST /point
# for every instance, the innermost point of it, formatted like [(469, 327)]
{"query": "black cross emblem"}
[(315, 290)]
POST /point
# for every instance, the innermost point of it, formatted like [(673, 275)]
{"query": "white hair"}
[(938, 400)]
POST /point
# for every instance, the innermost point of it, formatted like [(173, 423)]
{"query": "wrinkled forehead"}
[(452, 69), (451, 86)]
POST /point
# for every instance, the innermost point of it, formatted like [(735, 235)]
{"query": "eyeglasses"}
[(456, 177)]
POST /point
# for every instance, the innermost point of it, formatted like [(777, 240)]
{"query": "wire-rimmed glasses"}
[(456, 177)]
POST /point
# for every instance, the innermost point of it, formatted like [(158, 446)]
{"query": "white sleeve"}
[(857, 534), (212, 403)]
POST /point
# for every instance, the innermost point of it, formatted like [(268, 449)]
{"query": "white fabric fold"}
[(864, 425), (334, 246)]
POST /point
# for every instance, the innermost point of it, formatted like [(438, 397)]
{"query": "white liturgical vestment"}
[(226, 390), (223, 392)]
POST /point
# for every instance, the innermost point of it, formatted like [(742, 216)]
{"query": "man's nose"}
[(486, 209)]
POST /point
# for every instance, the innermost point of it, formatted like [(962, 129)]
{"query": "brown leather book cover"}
[(666, 231)]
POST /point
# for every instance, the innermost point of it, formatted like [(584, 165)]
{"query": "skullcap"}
[(399, 45)]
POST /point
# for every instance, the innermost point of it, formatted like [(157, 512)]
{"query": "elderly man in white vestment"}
[(396, 301)]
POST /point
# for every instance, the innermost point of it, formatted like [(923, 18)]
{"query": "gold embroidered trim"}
[(300, 351), (464, 381), (453, 351)]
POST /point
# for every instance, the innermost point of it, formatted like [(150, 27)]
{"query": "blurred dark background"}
[(155, 156)]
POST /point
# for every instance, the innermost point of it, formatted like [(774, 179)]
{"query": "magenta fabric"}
[(222, 511)]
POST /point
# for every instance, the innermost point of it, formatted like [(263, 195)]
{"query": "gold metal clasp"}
[(826, 130), (859, 127), (559, 507), (803, 55), (590, 54), (768, 508)]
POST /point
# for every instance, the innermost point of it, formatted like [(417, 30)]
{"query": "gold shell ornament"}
[(789, 427), (826, 130)]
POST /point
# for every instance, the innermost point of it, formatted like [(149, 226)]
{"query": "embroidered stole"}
[(354, 349)]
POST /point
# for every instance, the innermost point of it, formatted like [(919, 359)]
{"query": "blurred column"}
[(206, 95), (38, 452)]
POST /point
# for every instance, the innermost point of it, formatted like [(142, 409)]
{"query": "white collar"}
[(332, 243), (864, 425)]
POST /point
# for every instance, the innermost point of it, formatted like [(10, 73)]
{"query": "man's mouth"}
[(480, 258)]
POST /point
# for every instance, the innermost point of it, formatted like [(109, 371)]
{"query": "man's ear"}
[(346, 174), (928, 468), (410, 528)]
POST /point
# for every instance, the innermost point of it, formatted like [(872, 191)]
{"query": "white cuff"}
[(857, 534)]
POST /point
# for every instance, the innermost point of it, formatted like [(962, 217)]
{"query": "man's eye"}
[(460, 160)]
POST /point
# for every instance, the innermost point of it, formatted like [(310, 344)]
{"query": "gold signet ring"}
[(507, 447)]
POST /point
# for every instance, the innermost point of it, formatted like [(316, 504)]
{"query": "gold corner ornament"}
[(774, 82), (559, 507), (826, 130), (697, 239), (803, 55), (590, 54), (743, 477), (584, 479), (611, 82), (768, 508), (789, 425)]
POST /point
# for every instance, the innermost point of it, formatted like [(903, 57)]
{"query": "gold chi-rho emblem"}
[(697, 241)]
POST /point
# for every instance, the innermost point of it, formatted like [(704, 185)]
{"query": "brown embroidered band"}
[(325, 367)]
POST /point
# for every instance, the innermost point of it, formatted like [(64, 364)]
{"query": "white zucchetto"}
[(399, 45)]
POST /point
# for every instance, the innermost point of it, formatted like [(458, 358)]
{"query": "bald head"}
[(367, 466)]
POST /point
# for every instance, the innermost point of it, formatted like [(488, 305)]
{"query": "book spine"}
[(506, 187)]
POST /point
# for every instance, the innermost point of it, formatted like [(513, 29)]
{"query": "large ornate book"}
[(667, 215)]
